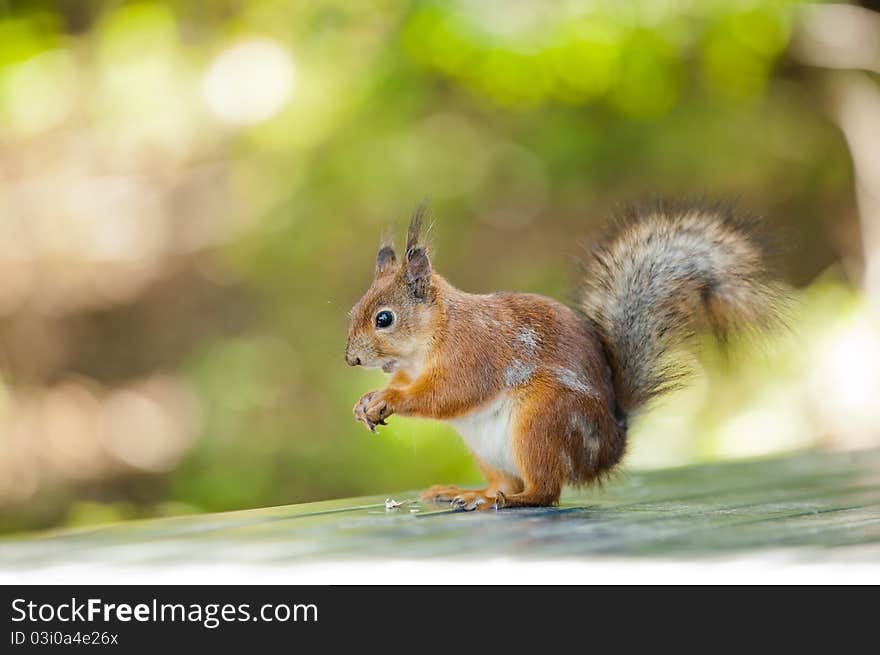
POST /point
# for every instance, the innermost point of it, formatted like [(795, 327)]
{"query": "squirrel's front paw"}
[(360, 410), (379, 406), (373, 408)]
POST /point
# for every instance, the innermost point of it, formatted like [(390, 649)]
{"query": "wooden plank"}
[(815, 500)]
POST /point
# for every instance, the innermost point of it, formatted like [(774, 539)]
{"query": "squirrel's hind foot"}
[(466, 499), (441, 493)]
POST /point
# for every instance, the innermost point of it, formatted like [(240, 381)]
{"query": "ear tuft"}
[(415, 225), (386, 261)]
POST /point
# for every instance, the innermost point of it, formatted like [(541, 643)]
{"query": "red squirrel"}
[(542, 393)]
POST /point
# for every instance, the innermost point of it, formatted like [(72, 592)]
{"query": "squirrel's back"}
[(665, 273)]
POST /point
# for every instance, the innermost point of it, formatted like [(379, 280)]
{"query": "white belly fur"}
[(486, 431)]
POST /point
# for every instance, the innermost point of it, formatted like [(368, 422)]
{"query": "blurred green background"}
[(191, 195)]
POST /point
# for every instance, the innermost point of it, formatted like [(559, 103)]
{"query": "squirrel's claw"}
[(370, 426), (472, 500), (476, 502)]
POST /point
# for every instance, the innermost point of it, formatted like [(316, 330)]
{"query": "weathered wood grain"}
[(825, 501)]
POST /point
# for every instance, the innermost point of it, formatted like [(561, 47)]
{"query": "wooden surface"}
[(817, 502)]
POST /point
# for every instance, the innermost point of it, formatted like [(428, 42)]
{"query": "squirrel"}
[(543, 393)]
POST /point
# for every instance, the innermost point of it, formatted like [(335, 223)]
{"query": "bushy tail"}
[(663, 275)]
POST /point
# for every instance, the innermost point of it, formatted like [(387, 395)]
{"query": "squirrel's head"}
[(390, 326)]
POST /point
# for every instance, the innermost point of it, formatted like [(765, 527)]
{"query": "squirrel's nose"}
[(351, 360)]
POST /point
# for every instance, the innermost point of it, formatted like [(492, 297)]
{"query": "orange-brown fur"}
[(521, 365)]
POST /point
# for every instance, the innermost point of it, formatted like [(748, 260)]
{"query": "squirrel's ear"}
[(417, 271), (386, 261)]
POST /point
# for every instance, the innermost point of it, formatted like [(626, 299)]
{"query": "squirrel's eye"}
[(384, 319)]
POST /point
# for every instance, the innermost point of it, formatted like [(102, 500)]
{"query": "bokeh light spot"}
[(248, 82)]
